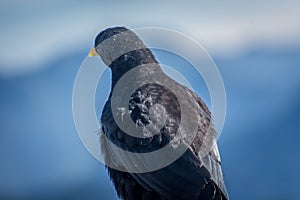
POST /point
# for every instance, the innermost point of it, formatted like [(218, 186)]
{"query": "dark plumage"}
[(190, 176)]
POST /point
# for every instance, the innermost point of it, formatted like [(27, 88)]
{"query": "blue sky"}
[(33, 32)]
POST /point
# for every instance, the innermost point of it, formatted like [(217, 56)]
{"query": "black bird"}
[(192, 175)]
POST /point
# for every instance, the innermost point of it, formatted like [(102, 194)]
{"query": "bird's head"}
[(107, 33), (114, 42)]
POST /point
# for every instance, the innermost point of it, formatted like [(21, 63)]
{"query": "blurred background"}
[(255, 44)]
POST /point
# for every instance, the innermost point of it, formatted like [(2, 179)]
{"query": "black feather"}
[(190, 176)]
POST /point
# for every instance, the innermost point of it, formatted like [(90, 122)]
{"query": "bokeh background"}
[(255, 44)]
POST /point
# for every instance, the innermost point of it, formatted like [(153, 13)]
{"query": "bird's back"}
[(192, 176)]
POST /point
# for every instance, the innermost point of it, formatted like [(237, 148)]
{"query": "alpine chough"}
[(192, 175)]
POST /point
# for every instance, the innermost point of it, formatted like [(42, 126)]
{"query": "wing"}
[(192, 176)]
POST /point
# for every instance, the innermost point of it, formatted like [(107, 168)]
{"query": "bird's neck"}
[(133, 60)]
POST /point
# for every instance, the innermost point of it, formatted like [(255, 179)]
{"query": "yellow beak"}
[(92, 52)]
